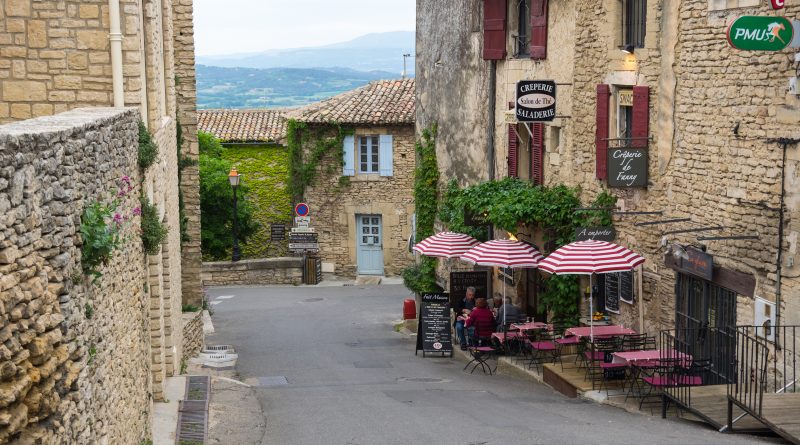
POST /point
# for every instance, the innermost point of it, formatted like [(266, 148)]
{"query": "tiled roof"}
[(243, 125), (380, 102)]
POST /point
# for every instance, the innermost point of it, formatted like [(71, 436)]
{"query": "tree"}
[(216, 202)]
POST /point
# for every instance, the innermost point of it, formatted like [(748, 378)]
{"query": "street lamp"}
[(233, 178)]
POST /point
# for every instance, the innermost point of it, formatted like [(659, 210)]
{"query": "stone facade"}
[(335, 208), (712, 113), (67, 341), (288, 270), (193, 339)]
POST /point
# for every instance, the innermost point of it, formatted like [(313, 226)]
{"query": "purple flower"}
[(137, 211), (118, 218), (126, 179)]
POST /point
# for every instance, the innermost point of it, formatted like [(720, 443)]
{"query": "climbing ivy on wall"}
[(307, 146), (508, 203), (265, 168), (421, 277)]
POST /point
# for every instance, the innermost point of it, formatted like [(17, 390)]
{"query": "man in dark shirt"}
[(463, 309)]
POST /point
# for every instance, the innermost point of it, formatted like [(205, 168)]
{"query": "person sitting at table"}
[(463, 309), (511, 312), (497, 303), (480, 322)]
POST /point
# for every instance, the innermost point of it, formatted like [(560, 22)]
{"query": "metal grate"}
[(219, 348), (193, 412)]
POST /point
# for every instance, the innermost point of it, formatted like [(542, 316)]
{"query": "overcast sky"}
[(237, 26)]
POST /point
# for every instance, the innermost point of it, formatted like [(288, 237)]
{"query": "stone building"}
[(361, 204), (656, 78), (254, 141), (83, 361)]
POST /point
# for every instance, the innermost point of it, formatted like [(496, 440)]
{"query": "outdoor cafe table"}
[(599, 331), (650, 356), (530, 326)]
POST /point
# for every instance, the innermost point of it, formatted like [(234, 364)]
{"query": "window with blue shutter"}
[(349, 158), (385, 157)]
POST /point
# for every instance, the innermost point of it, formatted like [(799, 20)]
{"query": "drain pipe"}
[(115, 37), (490, 129)]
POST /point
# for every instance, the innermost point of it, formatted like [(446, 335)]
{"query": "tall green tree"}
[(216, 203)]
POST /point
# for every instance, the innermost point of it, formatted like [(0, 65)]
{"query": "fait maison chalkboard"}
[(618, 286), (460, 281), (433, 325)]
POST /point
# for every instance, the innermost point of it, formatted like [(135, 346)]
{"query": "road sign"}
[(301, 209), (302, 221), (302, 230), (760, 33)]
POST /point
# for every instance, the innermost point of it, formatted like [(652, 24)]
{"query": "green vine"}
[(148, 150), (509, 203), (421, 277), (303, 164), (183, 162), (153, 231)]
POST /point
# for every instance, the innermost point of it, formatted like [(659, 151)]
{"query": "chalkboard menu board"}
[(460, 281), (618, 286), (433, 326)]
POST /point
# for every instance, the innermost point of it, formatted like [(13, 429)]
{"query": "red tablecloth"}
[(599, 331), (650, 356), (505, 335), (529, 326)]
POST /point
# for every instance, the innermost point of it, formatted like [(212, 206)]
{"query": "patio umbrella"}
[(445, 245), (588, 258), (504, 253)]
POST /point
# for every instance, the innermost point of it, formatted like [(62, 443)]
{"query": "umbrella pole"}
[(591, 309)]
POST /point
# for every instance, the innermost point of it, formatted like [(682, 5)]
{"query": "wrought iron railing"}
[(764, 366), (709, 359)]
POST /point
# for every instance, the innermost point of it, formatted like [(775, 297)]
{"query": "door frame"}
[(359, 247)]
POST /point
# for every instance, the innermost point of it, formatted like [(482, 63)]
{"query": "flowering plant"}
[(101, 230)]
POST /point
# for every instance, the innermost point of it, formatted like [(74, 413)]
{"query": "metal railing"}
[(714, 348), (762, 367)]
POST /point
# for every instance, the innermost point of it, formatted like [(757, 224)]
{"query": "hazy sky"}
[(236, 26)]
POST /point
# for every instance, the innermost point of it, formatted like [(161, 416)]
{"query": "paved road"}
[(352, 380)]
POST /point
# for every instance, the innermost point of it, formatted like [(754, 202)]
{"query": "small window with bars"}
[(523, 37), (368, 152), (634, 18)]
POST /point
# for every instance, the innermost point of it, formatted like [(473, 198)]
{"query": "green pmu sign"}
[(757, 33)]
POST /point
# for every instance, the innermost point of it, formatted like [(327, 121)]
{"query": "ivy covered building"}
[(352, 160)]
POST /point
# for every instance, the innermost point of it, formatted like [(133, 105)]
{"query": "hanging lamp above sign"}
[(536, 101), (760, 33)]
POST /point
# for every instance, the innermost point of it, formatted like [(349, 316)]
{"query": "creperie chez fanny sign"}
[(536, 101)]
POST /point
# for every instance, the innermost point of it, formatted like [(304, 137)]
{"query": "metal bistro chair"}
[(543, 348), (600, 369), (664, 375), (481, 351)]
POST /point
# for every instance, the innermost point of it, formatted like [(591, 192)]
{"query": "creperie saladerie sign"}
[(536, 101), (759, 33)]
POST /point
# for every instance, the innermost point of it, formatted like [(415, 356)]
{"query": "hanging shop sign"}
[(760, 33), (698, 263), (778, 4), (595, 233), (627, 167), (536, 101)]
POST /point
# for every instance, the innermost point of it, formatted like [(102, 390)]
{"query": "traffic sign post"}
[(301, 209)]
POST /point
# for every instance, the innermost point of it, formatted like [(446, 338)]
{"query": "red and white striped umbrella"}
[(446, 245), (504, 253), (590, 256)]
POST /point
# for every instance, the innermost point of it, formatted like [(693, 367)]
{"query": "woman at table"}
[(480, 320)]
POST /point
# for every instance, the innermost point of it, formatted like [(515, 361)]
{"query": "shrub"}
[(99, 237), (153, 231), (148, 150)]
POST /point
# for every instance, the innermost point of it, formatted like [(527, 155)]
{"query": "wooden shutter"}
[(494, 29), (601, 132), (349, 157), (538, 44), (641, 116), (385, 155), (537, 153), (513, 152)]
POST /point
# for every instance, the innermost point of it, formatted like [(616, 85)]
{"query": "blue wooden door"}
[(369, 244)]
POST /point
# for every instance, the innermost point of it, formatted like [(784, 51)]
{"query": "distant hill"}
[(370, 52), (219, 87)]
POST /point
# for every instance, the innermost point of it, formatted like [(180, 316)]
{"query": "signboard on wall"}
[(697, 263), (760, 33), (778, 4), (277, 232), (536, 101), (460, 281), (627, 167), (595, 233)]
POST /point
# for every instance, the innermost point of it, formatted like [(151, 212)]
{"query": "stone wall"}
[(75, 355), (186, 96), (334, 207), (287, 270), (193, 338)]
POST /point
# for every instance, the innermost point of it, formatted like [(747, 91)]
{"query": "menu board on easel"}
[(433, 325)]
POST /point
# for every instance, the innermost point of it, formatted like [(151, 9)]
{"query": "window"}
[(368, 151), (523, 27), (624, 113), (634, 17)]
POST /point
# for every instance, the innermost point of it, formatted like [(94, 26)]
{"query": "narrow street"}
[(351, 379)]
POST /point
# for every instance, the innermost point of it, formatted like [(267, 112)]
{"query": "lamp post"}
[(233, 178)]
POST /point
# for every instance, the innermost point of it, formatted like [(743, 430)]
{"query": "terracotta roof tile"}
[(380, 102), (243, 125)]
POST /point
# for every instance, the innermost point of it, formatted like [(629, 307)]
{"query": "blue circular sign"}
[(301, 209)]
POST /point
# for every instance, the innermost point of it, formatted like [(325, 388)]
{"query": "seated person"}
[(511, 312), (480, 320), (463, 309)]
